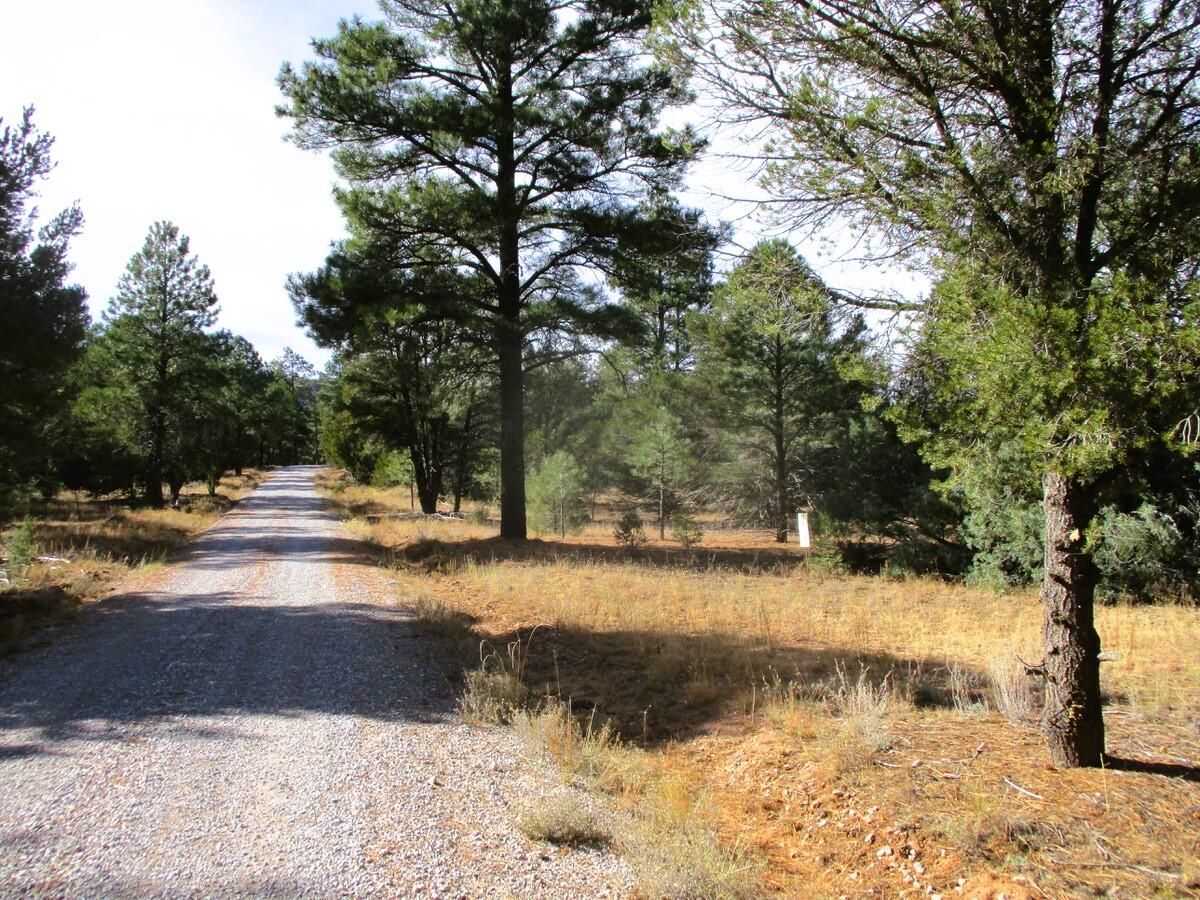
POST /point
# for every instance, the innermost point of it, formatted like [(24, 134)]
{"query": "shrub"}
[(491, 698), (629, 530), (1011, 693), (20, 548), (562, 819), (391, 470), (685, 530), (1141, 555)]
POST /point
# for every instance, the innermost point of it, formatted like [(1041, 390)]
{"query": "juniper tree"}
[(1047, 154), (513, 138)]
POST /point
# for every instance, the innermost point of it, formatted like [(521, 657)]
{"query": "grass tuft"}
[(1011, 691), (562, 819)]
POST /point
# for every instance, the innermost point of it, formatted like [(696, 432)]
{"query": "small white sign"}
[(802, 529)]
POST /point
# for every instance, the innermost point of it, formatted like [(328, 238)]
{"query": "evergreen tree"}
[(558, 494), (1047, 154), (155, 325), (665, 273), (658, 454), (512, 139), (412, 381), (773, 348), (43, 320)]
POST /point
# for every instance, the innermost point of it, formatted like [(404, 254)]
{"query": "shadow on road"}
[(248, 622), (150, 658)]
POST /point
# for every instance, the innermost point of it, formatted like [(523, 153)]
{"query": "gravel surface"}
[(262, 721)]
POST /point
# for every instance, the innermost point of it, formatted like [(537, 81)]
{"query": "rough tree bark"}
[(154, 473), (1072, 718)]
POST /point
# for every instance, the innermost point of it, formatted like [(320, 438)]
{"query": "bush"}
[(562, 819), (629, 530), (558, 495), (1141, 555), (685, 530), (392, 469), (20, 548), (1006, 534)]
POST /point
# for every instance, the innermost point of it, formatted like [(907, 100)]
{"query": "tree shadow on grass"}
[(656, 687), (1148, 767), (433, 555)]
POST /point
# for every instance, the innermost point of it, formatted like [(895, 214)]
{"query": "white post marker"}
[(802, 529)]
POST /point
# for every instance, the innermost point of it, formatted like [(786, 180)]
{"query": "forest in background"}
[(148, 398)]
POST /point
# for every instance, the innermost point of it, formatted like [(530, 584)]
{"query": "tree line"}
[(507, 185), (150, 397)]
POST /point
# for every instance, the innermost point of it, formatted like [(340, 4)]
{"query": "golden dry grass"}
[(757, 680)]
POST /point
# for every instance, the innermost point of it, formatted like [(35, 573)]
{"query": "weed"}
[(673, 851), (1011, 692), (680, 858), (490, 698), (966, 691), (582, 750), (993, 834), (562, 819), (435, 618)]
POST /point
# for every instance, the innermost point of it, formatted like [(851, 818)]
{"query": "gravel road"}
[(261, 720)]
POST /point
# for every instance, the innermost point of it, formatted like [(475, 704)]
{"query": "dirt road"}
[(262, 722)]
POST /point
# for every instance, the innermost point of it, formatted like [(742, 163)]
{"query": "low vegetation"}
[(68, 551), (836, 733)]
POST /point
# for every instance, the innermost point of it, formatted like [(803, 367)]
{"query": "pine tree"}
[(513, 139), (772, 347), (1045, 153), (43, 320), (155, 324)]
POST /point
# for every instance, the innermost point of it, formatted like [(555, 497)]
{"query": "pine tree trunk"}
[(237, 452), (781, 530), (1072, 718), (428, 478), (662, 511), (781, 494), (512, 438), (154, 476), (464, 452), (511, 339)]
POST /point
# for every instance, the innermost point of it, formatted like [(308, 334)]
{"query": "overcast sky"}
[(164, 109)]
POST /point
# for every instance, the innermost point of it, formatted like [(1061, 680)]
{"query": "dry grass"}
[(93, 544), (661, 826), (825, 718), (562, 819)]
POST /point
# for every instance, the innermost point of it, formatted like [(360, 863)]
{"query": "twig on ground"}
[(1016, 787), (1154, 873)]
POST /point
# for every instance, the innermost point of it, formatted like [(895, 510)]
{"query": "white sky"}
[(164, 109)]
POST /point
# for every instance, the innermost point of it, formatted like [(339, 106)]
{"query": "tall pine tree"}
[(155, 324), (513, 137)]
